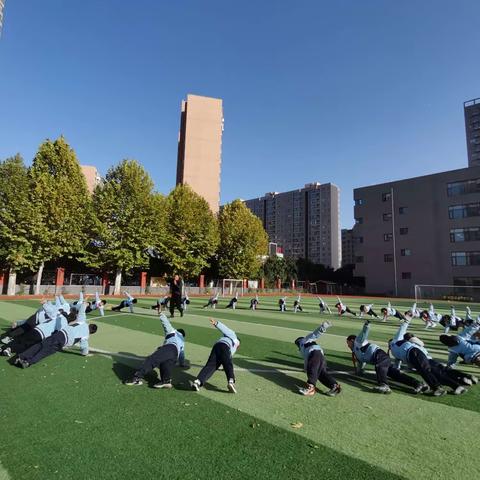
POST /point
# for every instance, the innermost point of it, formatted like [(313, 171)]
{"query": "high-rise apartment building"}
[(92, 177), (2, 5), (348, 247), (422, 230), (472, 130), (303, 222), (200, 147)]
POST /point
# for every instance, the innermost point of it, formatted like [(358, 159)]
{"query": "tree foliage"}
[(190, 236), (279, 268), (243, 242), (127, 218), (19, 218)]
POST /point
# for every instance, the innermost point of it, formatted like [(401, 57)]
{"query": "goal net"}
[(232, 286), (448, 293)]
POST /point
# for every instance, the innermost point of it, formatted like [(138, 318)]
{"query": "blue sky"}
[(353, 92)]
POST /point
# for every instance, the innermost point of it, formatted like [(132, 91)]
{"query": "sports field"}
[(70, 417)]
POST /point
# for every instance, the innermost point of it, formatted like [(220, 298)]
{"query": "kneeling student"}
[(212, 302), (282, 304), (164, 357), (323, 306), (365, 352), (221, 355), (233, 302), (315, 363), (342, 309), (128, 302), (296, 305), (367, 309), (391, 312), (254, 303)]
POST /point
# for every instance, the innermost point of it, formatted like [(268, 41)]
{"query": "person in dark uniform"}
[(176, 290)]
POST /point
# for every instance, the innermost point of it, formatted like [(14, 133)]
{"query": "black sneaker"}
[(135, 381), (334, 391), (422, 388), (22, 363)]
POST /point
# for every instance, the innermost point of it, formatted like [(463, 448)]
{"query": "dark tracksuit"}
[(221, 355), (176, 297)]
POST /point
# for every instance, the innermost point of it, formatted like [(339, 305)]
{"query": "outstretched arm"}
[(318, 332), (224, 329), (167, 326), (363, 335), (401, 332)]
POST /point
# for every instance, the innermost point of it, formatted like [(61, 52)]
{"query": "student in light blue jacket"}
[(221, 355), (462, 346)]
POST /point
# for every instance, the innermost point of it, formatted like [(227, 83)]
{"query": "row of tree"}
[(47, 213)]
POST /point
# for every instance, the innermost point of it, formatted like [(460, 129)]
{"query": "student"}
[(296, 305), (391, 312), (161, 305), (323, 306), (212, 302), (221, 355), (430, 318), (315, 363), (69, 335), (282, 304), (407, 348), (414, 312), (254, 303), (461, 346), (367, 309), (233, 302), (164, 357), (38, 334), (98, 304), (185, 302), (365, 352), (176, 291), (342, 309), (451, 322), (128, 302)]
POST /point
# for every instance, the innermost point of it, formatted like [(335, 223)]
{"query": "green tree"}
[(60, 193), (243, 242), (19, 221), (279, 268), (128, 216), (190, 237)]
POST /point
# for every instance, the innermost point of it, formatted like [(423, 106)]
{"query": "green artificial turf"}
[(71, 417)]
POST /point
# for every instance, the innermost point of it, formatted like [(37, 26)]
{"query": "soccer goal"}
[(232, 286), (450, 293)]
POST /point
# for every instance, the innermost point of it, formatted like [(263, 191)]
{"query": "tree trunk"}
[(39, 279), (118, 282), (12, 281)]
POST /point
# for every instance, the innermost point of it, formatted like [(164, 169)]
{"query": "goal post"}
[(448, 293), (232, 286)]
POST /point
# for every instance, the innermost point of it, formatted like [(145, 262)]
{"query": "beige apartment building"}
[(423, 230), (92, 176), (200, 147)]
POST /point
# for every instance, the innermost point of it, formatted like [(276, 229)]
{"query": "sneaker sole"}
[(134, 384), (231, 388), (162, 386)]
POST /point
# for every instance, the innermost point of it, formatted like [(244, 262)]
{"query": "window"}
[(465, 234), (462, 188), (359, 259), (403, 231), (403, 210), (358, 239), (359, 220), (467, 281), (359, 201), (387, 217), (387, 237), (405, 252), (464, 211), (388, 257), (386, 196), (460, 259), (406, 275)]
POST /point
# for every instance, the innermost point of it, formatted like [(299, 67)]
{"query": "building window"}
[(388, 257), (359, 220), (462, 188), (460, 259), (359, 259), (464, 211), (387, 237), (403, 231), (358, 239), (402, 210), (405, 252), (387, 217), (386, 196), (406, 275), (467, 281), (359, 201), (470, 234)]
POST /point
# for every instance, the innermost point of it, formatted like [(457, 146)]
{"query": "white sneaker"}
[(166, 385), (465, 380), (382, 389), (474, 379), (196, 385), (459, 390), (7, 352), (231, 387)]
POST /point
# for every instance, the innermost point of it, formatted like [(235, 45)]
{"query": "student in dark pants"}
[(164, 357), (221, 355), (176, 287)]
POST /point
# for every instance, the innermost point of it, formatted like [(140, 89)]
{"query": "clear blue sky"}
[(353, 92)]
